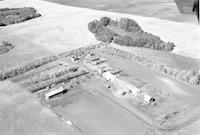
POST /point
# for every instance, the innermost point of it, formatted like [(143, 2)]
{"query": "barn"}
[(108, 76), (127, 87), (54, 92)]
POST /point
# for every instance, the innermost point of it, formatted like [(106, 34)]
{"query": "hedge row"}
[(47, 83), (191, 77), (47, 76), (25, 68), (40, 62)]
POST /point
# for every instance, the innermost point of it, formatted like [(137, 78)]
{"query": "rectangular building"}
[(55, 92)]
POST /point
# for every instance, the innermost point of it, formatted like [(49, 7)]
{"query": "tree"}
[(94, 26), (104, 21)]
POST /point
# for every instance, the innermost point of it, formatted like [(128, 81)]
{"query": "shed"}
[(94, 59), (54, 92)]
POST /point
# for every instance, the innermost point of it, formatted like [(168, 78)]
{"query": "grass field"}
[(165, 9), (94, 114), (170, 59)]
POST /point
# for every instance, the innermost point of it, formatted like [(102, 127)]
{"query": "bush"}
[(16, 15), (5, 47), (5, 43)]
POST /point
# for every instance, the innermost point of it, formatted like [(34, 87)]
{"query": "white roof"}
[(55, 91), (147, 98), (109, 76)]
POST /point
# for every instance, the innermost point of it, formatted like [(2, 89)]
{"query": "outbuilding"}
[(55, 92), (129, 88), (74, 58), (90, 54)]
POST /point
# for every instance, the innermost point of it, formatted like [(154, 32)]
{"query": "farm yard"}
[(96, 76)]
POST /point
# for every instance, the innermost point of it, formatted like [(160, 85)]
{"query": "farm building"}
[(55, 92), (74, 58), (90, 54), (97, 60), (94, 59), (115, 71), (148, 99), (109, 77), (62, 63), (127, 87), (101, 70), (105, 69)]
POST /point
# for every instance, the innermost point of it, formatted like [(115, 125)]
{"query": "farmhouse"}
[(55, 92)]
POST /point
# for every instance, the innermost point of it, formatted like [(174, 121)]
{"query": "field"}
[(22, 114), (166, 10), (17, 15), (93, 114)]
